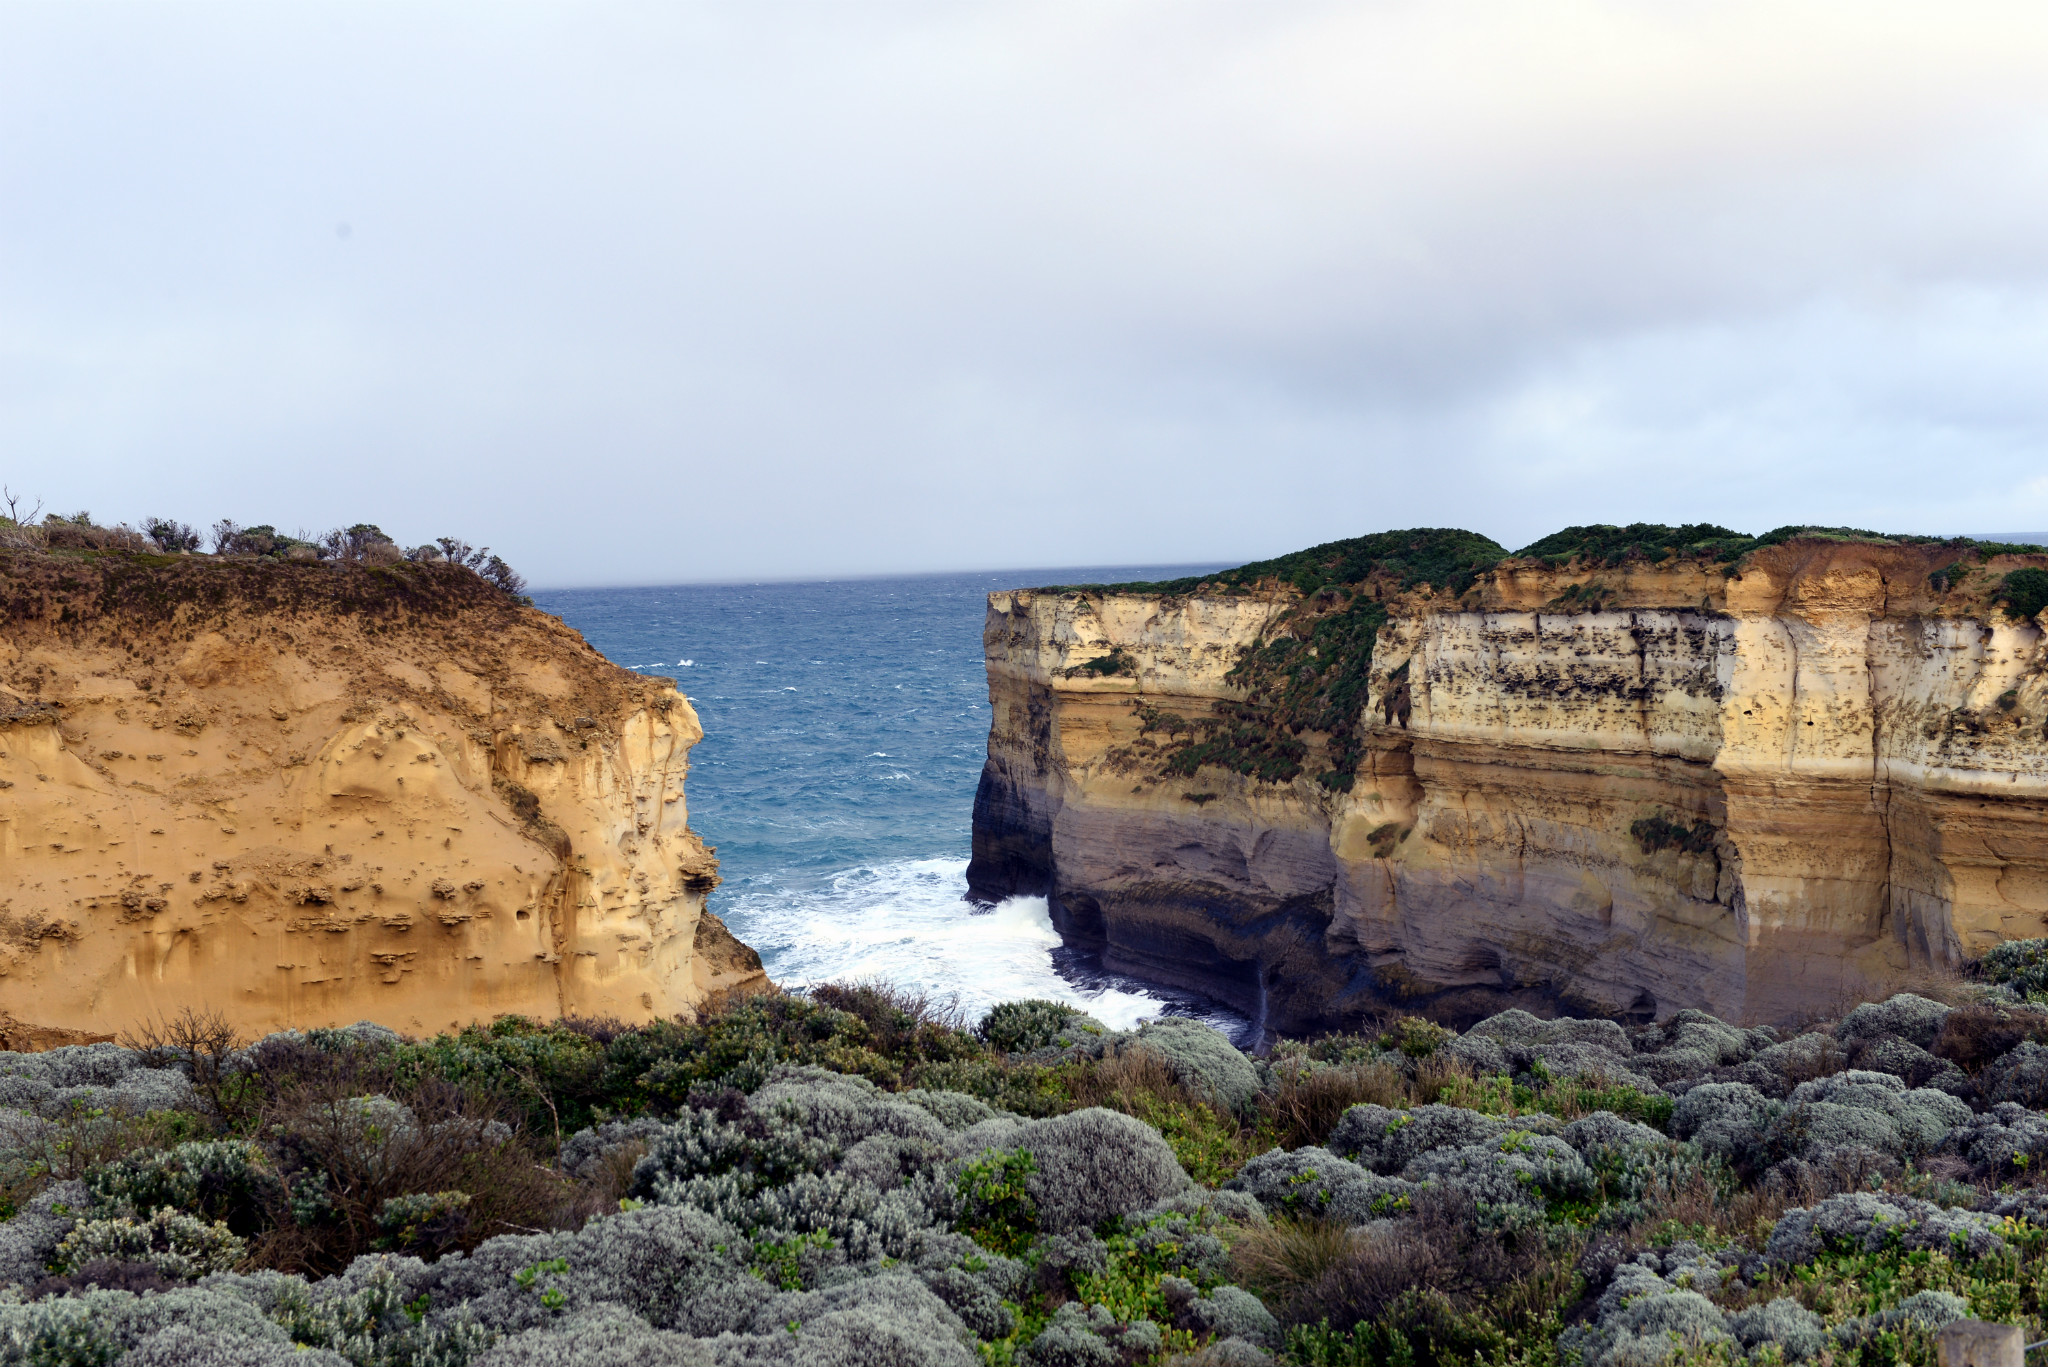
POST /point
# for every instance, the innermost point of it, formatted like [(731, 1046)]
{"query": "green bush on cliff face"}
[(1654, 833), (2025, 592)]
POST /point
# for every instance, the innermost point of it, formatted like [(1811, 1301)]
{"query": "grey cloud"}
[(647, 293)]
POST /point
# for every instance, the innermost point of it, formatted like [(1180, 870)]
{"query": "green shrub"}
[(1117, 661), (997, 1211), (2020, 965), (1648, 541), (229, 1180), (2025, 592), (174, 1244), (1654, 833), (1021, 1027)]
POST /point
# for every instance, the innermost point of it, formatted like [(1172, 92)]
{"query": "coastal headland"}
[(1624, 772), (310, 793)]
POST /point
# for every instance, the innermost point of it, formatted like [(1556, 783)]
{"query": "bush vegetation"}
[(362, 543), (855, 1173), (2025, 592)]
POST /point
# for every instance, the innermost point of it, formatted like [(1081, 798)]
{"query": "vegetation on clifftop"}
[(162, 540)]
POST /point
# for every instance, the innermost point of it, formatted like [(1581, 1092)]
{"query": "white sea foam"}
[(908, 923)]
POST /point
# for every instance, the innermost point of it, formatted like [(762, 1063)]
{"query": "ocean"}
[(845, 723)]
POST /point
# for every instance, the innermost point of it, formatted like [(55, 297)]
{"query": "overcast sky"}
[(672, 292)]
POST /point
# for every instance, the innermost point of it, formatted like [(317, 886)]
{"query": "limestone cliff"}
[(309, 794), (1754, 786)]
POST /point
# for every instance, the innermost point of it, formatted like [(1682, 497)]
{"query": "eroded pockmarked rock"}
[(314, 794), (1753, 788)]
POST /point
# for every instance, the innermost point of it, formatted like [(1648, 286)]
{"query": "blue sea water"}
[(845, 723)]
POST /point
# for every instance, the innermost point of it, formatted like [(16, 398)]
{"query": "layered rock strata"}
[(1756, 789), (313, 794)]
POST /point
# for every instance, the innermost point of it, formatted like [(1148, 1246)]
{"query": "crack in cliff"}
[(1642, 689), (1880, 773)]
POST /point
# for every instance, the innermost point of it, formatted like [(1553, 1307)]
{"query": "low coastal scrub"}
[(853, 1175), (363, 543)]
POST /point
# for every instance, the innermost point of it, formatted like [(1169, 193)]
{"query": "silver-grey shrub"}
[(700, 1146), (1643, 1320), (954, 1110), (1693, 1044), (176, 1245), (95, 1327), (1649, 1312), (1726, 1119), (891, 1318), (1226, 1312), (583, 1153), (1515, 1042), (1925, 1309), (675, 1268), (214, 1177), (183, 1345), (1913, 1065), (1783, 1321), (1182, 1235), (1515, 1168), (1628, 1159), (1202, 1060), (1387, 1140), (1775, 1070), (367, 1316), (1224, 1353), (1870, 1221), (840, 1110), (1090, 1336), (1314, 1183), (601, 1336), (2020, 1075), (885, 1162), (90, 1077), (1998, 1143), (1090, 1164), (29, 1241), (1914, 1019), (1876, 1109)]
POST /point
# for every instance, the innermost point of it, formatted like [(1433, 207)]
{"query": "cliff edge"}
[(1752, 776), (309, 794)]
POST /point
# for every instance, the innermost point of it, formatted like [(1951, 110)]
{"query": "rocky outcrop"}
[(314, 794), (1757, 787)]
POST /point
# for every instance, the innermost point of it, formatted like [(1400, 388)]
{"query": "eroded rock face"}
[(1757, 794), (310, 795)]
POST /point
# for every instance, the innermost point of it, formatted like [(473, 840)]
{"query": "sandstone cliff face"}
[(1753, 793), (314, 794)]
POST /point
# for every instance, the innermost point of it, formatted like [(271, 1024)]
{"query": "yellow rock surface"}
[(314, 794), (1871, 758)]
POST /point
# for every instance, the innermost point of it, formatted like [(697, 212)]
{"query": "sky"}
[(675, 292)]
